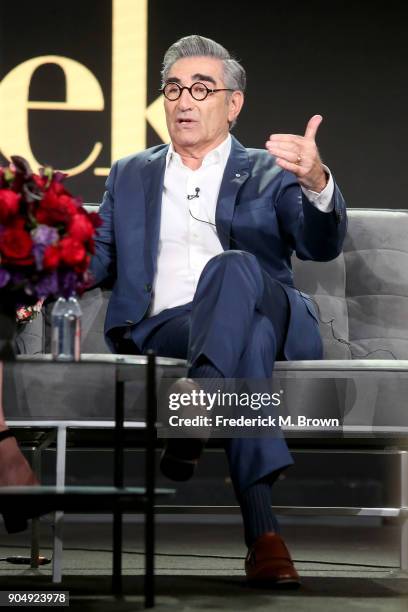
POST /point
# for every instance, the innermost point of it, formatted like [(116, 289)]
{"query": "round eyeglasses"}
[(198, 91)]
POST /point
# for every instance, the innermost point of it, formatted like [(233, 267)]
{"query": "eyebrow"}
[(195, 77)]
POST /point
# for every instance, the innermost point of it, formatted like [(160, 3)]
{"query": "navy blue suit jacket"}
[(261, 209)]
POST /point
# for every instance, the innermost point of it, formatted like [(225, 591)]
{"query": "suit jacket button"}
[(129, 322), (148, 288)]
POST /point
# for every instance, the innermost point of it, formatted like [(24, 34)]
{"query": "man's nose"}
[(185, 101)]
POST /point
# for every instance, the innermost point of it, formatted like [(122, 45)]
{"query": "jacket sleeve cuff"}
[(323, 201)]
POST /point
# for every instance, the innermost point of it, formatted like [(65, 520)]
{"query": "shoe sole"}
[(266, 579), (177, 469), (267, 583)]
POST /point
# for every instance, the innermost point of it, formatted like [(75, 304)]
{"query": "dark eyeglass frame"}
[(189, 89)]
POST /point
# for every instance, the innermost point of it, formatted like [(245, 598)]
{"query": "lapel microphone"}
[(196, 195)]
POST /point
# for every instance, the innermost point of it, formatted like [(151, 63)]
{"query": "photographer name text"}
[(257, 421)]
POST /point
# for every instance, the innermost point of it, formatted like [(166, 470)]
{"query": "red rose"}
[(95, 219), (81, 228), (83, 265), (57, 185), (72, 251), (57, 206), (9, 204), (16, 246), (17, 223), (52, 257), (91, 246), (40, 181)]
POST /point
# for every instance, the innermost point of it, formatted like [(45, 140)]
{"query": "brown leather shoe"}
[(268, 563)]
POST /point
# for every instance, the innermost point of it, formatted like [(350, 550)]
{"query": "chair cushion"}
[(362, 295), (376, 257), (364, 291)]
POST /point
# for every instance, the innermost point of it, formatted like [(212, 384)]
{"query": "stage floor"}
[(344, 564)]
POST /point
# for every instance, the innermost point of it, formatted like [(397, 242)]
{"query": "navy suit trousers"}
[(237, 320)]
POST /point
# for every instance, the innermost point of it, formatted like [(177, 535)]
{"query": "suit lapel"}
[(153, 178), (235, 174)]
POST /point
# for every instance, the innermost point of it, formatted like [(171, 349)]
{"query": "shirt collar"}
[(219, 155)]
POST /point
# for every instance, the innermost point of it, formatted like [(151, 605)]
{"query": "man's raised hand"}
[(299, 154)]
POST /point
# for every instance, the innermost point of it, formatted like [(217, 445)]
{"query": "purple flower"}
[(44, 235), (58, 176), (67, 282), (4, 277), (47, 285), (38, 252), (18, 278)]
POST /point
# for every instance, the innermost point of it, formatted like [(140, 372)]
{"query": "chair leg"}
[(35, 542), (59, 516), (404, 545), (149, 555), (151, 417), (117, 582), (35, 523), (404, 507)]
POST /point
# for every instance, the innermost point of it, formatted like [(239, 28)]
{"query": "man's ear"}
[(235, 104)]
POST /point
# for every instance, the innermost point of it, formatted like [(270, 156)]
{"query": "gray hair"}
[(199, 46)]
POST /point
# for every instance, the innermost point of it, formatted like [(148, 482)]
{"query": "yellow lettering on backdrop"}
[(129, 78), (129, 82), (83, 93), (129, 93)]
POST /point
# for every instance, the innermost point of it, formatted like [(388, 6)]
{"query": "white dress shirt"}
[(186, 244)]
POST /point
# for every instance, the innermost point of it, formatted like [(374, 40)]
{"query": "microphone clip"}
[(196, 195)]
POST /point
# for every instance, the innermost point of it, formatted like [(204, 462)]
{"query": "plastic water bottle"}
[(66, 330)]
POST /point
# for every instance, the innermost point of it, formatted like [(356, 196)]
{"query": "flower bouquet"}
[(46, 243), (25, 314)]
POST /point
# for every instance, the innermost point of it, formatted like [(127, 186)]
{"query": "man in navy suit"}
[(198, 236)]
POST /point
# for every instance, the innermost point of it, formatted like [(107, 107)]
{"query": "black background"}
[(344, 60)]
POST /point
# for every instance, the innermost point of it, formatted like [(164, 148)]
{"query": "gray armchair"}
[(362, 304), (362, 300), (364, 292)]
